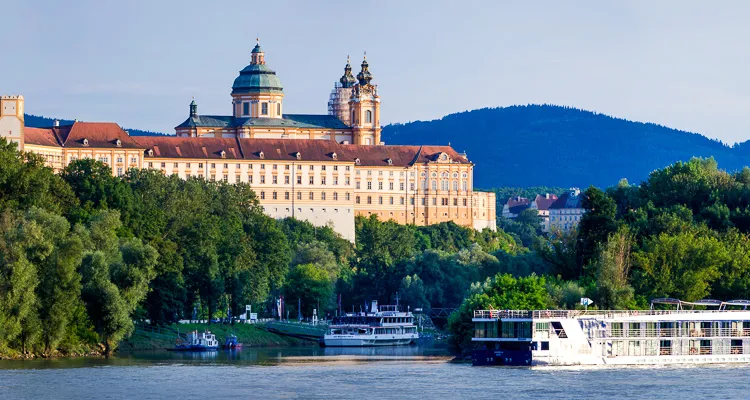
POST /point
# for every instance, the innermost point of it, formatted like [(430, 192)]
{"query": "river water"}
[(378, 373)]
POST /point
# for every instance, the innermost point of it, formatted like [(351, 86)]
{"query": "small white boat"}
[(197, 341), (384, 326)]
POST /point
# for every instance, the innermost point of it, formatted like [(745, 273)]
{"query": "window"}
[(249, 179), (119, 171), (391, 200), (322, 167), (226, 165), (346, 181), (245, 108), (119, 159), (312, 196), (401, 186), (263, 179), (262, 166), (411, 186), (312, 168), (465, 202), (188, 165), (411, 201), (150, 164), (275, 179), (163, 165), (335, 167), (356, 200), (455, 202), (286, 167), (434, 201), (423, 201), (175, 164), (335, 196), (262, 195), (274, 195), (464, 185), (368, 116), (237, 179), (323, 180), (444, 201), (347, 168), (237, 166), (356, 186), (369, 199), (299, 168), (312, 180), (369, 185), (213, 165), (323, 195), (380, 185), (299, 180), (226, 178), (444, 185), (335, 180), (278, 108), (263, 108), (455, 185), (299, 195), (286, 195), (275, 167), (390, 186), (402, 200), (380, 199), (286, 180), (434, 184)]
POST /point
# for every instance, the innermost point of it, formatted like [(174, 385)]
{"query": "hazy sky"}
[(684, 64)]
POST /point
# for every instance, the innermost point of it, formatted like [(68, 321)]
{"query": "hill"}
[(36, 121), (549, 145)]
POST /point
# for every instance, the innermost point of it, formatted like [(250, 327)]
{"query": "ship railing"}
[(677, 332), (494, 314)]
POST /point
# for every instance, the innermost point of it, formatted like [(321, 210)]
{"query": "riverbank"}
[(248, 335)]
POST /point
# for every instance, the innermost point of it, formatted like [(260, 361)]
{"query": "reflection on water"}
[(247, 355)]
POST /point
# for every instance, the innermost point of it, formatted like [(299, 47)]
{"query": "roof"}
[(544, 201), (313, 121), (566, 200), (81, 134), (287, 149), (40, 136), (257, 78), (518, 201)]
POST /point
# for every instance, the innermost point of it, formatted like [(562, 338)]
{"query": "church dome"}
[(257, 78)]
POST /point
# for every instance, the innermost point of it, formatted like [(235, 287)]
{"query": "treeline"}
[(682, 233), (84, 254)]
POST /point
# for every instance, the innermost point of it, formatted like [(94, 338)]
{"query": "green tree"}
[(311, 286), (613, 271), (596, 225)]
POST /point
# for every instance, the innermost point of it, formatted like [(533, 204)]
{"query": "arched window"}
[(455, 185), (278, 109), (368, 116), (444, 185), (434, 184), (424, 184), (464, 185)]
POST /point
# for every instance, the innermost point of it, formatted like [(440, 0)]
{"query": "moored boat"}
[(197, 341), (382, 326), (719, 332), (231, 342)]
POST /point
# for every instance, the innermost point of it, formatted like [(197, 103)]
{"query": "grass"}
[(249, 335)]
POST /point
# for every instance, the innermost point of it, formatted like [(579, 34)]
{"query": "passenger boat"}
[(718, 332), (197, 341), (384, 326)]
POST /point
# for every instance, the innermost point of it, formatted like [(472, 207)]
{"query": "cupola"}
[(347, 80), (364, 76)]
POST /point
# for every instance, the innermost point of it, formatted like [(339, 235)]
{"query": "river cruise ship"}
[(382, 326), (706, 331)]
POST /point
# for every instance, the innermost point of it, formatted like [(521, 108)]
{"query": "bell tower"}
[(11, 119), (364, 107), (338, 102)]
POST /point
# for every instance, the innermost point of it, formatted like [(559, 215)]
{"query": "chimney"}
[(56, 123)]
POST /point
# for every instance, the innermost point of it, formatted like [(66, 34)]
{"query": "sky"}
[(680, 63)]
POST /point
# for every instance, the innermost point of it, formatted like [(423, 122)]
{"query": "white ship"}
[(719, 332), (384, 326)]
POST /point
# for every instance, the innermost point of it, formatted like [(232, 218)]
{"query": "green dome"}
[(257, 78)]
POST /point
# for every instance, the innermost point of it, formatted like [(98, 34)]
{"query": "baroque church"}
[(325, 169)]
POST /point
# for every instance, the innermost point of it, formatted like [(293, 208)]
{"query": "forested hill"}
[(36, 121), (562, 146)]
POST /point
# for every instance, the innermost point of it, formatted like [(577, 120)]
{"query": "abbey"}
[(325, 169)]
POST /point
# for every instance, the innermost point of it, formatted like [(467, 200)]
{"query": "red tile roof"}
[(518, 201), (40, 136), (287, 150), (543, 202)]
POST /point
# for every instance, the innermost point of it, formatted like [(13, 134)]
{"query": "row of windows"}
[(263, 108), (443, 201), (300, 196), (251, 166)]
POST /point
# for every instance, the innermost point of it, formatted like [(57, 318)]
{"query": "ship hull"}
[(366, 341)]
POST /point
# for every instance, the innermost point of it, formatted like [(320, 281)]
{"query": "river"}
[(380, 373)]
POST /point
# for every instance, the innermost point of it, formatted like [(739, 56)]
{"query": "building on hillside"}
[(324, 169), (565, 213), (542, 204), (515, 205)]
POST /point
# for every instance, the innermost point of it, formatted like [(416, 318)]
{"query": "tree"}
[(412, 292), (613, 270), (596, 225), (311, 286), (683, 265)]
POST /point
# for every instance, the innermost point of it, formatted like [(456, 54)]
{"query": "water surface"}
[(317, 373)]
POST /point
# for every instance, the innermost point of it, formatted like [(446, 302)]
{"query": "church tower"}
[(364, 108), (11, 119), (257, 92), (338, 102)]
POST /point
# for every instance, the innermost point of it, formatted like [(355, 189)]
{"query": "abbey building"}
[(325, 169)]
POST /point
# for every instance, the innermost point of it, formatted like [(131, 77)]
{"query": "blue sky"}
[(684, 64)]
